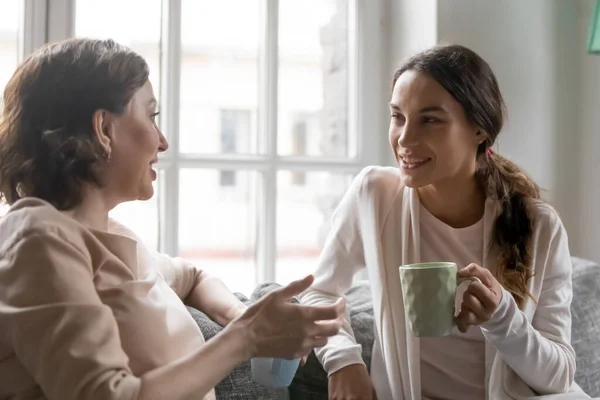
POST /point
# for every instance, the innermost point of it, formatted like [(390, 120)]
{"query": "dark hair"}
[(470, 80), (47, 144)]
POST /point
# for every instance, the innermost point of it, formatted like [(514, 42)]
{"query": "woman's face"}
[(135, 141), (433, 141)]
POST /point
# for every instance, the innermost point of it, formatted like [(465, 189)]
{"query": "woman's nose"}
[(408, 136), (163, 143)]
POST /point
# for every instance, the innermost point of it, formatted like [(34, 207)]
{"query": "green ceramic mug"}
[(429, 293)]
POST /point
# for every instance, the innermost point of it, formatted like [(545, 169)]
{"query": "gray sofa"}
[(310, 382)]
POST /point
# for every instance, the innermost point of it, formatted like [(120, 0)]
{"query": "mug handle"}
[(459, 281)]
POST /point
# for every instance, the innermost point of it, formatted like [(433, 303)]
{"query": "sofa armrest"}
[(585, 333)]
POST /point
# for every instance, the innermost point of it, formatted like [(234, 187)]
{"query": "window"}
[(299, 138), (235, 125), (260, 107), (11, 13), (227, 178)]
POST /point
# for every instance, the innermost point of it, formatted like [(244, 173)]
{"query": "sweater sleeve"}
[(540, 351), (181, 275), (342, 257), (52, 318)]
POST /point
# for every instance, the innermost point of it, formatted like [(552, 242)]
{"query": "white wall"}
[(589, 150), (413, 28), (534, 49), (551, 87)]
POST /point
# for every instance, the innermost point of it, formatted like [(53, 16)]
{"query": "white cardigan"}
[(376, 226)]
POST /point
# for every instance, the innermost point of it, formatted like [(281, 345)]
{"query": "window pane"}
[(142, 217), (219, 75), (124, 22), (306, 201), (217, 224), (313, 78), (10, 25)]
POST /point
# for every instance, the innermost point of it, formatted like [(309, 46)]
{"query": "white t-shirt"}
[(452, 367)]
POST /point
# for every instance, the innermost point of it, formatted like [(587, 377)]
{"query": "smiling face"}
[(134, 141), (433, 141)]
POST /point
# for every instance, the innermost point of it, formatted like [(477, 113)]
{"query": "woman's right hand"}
[(351, 382), (275, 327)]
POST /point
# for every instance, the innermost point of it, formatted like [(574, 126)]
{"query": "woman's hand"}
[(274, 327), (480, 300), (351, 382)]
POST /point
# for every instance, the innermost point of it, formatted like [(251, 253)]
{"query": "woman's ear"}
[(480, 137), (102, 126)]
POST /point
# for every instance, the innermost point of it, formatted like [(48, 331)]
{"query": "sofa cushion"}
[(585, 336)]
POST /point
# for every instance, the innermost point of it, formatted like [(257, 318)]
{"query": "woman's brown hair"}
[(47, 144), (470, 80)]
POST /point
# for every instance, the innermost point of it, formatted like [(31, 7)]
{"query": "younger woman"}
[(451, 199)]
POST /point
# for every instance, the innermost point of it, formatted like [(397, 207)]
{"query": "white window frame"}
[(53, 20)]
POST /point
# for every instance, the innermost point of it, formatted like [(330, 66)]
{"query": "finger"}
[(474, 270), (311, 343), (301, 316), (323, 328), (484, 294), (461, 324), (471, 302), (465, 319), (323, 313), (294, 288)]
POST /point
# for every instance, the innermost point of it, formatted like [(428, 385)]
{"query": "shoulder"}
[(118, 228), (31, 217), (373, 191), (546, 220), (550, 241), (379, 181)]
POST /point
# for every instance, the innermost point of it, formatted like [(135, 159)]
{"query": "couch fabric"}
[(585, 311)]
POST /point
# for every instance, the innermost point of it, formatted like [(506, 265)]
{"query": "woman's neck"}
[(93, 210), (457, 203)]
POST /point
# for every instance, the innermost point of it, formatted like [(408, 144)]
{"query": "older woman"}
[(88, 312)]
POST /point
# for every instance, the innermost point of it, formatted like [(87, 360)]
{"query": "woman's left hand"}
[(480, 300), (240, 308)]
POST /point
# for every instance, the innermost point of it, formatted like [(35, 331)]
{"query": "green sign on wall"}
[(594, 39)]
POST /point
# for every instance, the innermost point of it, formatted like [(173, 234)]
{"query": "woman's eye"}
[(430, 120), (153, 116), (397, 117)]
